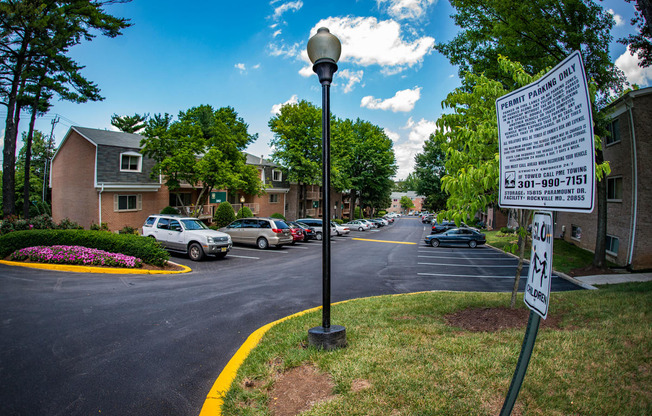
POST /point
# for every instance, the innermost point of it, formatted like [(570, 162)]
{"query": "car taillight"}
[(277, 230)]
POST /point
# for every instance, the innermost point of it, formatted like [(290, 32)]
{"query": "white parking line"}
[(462, 265), (244, 257), (465, 258), (258, 250), (475, 275)]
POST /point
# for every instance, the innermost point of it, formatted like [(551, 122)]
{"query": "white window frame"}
[(116, 202), (130, 155), (612, 238), (277, 175), (611, 183)]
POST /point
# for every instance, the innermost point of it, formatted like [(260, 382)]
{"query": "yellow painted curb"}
[(384, 241), (92, 269), (215, 398)]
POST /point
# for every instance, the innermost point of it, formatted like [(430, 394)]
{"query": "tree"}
[(469, 137), (540, 34), (641, 43), (428, 171), (32, 157), (129, 124), (36, 36), (406, 202), (367, 161), (202, 148), (224, 214), (297, 146)]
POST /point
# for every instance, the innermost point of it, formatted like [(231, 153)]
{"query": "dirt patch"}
[(298, 389), (590, 271), (495, 319)]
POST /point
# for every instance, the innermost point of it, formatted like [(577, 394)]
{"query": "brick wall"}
[(73, 186)]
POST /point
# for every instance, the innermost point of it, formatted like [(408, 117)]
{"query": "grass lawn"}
[(597, 361), (566, 256)]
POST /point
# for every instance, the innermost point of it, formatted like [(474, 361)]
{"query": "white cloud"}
[(634, 73), (255, 66), (367, 41), (392, 135), (405, 152), (618, 18), (293, 5), (406, 9), (241, 67), (284, 50), (351, 77), (403, 101), (276, 108), (277, 33)]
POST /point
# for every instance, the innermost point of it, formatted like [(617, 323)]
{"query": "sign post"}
[(547, 162)]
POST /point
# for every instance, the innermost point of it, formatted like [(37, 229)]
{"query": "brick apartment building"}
[(417, 201), (100, 176), (629, 195)]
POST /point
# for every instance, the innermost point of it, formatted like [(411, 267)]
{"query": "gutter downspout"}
[(630, 105), (100, 205)]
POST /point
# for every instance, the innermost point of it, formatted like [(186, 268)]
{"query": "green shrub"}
[(507, 230), (170, 211), (357, 213), (279, 216), (101, 227), (67, 224), (224, 215), (382, 213), (338, 221), (127, 230), (43, 222), (145, 248), (244, 212)]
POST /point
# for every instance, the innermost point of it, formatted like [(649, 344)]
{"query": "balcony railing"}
[(254, 207)]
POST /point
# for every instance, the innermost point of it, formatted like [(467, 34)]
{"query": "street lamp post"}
[(324, 50)]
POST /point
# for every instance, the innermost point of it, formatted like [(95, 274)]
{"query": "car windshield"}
[(193, 225)]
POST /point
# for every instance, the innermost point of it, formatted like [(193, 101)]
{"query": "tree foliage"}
[(537, 33), (429, 168), (35, 39), (129, 124), (641, 42), (202, 148), (224, 214)]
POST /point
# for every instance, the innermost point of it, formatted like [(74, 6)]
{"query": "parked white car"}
[(340, 229), (187, 235), (357, 225), (317, 225)]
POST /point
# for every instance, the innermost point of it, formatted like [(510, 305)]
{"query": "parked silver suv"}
[(263, 232), (187, 235)]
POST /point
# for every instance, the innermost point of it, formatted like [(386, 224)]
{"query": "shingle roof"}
[(110, 138)]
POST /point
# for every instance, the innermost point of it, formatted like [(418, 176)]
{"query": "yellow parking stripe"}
[(383, 241)]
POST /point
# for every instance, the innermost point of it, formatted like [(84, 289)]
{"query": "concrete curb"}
[(93, 269)]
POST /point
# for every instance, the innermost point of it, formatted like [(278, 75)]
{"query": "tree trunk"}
[(523, 218), (599, 255), (28, 149)]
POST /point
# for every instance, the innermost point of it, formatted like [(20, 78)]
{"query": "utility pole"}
[(50, 144)]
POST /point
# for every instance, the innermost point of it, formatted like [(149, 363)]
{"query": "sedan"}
[(340, 229), (457, 236), (297, 233), (357, 225)]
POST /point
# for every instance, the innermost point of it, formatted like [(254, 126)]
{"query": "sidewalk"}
[(615, 278)]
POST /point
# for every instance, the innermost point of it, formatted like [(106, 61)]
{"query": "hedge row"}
[(147, 249)]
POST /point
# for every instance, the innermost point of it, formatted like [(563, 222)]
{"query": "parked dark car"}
[(443, 226), (308, 232), (297, 233), (457, 236)]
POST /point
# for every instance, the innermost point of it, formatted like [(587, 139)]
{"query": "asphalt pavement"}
[(83, 343)]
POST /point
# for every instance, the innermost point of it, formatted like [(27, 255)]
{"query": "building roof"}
[(259, 160), (409, 194), (110, 138)]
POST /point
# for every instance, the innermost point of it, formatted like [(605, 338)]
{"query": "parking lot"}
[(84, 343)]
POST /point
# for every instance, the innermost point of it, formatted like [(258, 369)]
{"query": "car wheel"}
[(262, 243), (360, 229), (473, 243), (319, 236), (434, 242), (195, 252)]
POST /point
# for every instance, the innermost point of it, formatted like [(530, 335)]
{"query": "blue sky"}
[(251, 56)]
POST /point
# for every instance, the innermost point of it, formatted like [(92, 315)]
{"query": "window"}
[(273, 198), (127, 202), (576, 232), (180, 198), (614, 132), (613, 243), (277, 175), (615, 189), (163, 224), (130, 162)]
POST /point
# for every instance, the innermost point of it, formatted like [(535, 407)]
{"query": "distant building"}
[(396, 207)]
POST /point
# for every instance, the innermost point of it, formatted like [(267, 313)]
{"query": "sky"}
[(251, 55)]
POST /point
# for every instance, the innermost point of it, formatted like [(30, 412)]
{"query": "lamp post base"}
[(327, 338)]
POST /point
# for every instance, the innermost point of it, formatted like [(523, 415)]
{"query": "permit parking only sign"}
[(545, 132)]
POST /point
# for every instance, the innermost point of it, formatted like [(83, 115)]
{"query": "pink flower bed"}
[(75, 255)]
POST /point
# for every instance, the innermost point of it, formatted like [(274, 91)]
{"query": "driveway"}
[(81, 344)]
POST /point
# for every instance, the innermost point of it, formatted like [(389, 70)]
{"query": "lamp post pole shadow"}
[(324, 50)]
